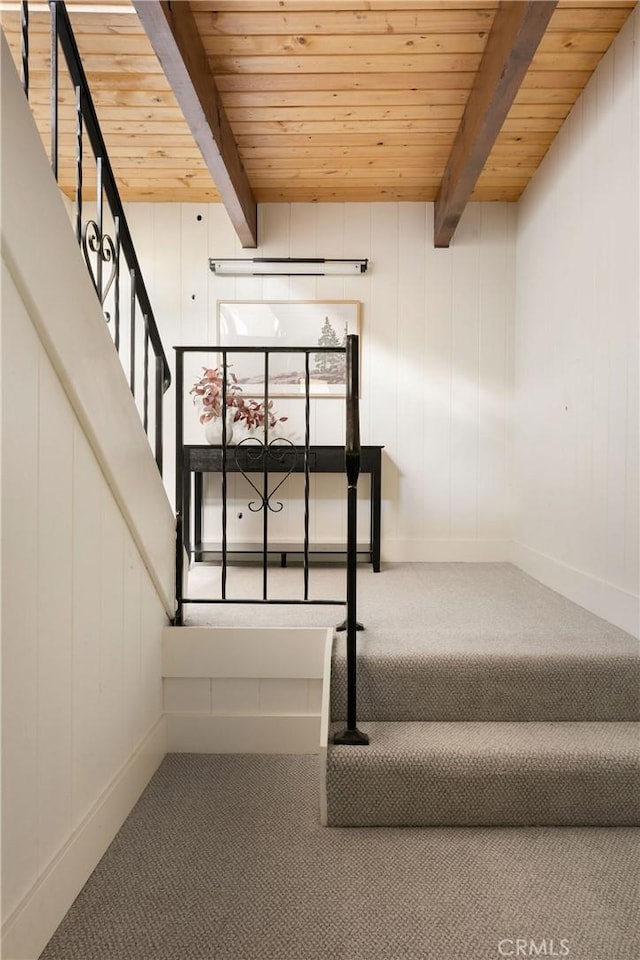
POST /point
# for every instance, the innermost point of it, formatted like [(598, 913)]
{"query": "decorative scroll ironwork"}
[(258, 451), (97, 247), (94, 241)]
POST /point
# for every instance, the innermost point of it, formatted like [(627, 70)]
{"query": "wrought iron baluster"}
[(79, 164), (265, 481), (116, 318), (159, 411), (145, 409), (179, 475), (24, 45), (177, 620), (351, 735), (99, 222), (224, 474), (132, 335), (307, 418), (54, 89)]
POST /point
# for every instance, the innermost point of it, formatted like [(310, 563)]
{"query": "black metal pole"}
[(177, 621), (179, 492), (79, 124), (351, 735), (225, 374), (265, 483), (158, 413), (116, 293), (53, 10), (132, 332), (24, 52), (145, 402), (99, 221), (307, 432)]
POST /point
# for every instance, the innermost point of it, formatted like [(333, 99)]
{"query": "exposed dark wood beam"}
[(174, 36), (517, 30)]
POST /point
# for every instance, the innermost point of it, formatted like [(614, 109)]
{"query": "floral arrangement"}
[(207, 394)]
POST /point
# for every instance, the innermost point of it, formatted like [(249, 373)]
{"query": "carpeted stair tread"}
[(487, 774), (513, 679)]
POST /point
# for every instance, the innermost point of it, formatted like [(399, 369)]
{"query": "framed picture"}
[(294, 323)]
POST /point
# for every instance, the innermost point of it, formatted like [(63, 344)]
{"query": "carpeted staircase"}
[(507, 720)]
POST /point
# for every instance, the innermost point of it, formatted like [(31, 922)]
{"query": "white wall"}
[(86, 572), (576, 349), (233, 690), (436, 349)]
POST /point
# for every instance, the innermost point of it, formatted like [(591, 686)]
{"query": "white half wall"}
[(576, 349), (436, 354), (86, 582), (233, 690)]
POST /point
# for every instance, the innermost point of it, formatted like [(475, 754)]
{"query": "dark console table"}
[(199, 460)]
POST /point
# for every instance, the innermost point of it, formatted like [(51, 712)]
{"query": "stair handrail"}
[(351, 735), (90, 235)]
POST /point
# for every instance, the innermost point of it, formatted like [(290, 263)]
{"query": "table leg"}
[(376, 485), (197, 483), (186, 515)]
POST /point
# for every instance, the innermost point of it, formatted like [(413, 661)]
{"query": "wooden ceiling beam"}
[(518, 28), (173, 33)]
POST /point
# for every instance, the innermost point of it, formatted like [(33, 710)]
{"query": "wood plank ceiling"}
[(327, 100)]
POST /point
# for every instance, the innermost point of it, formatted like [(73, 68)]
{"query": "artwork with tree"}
[(331, 366)]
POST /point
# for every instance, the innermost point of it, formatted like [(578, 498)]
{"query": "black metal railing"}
[(260, 454), (109, 256), (265, 455)]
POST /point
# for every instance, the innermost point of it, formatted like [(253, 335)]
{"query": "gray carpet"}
[(224, 859), (452, 641), (487, 774)]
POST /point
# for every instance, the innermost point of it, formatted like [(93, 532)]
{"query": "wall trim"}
[(599, 597), (253, 652), (444, 551), (290, 733), (34, 921)]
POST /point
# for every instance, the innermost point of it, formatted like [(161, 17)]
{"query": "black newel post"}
[(351, 735)]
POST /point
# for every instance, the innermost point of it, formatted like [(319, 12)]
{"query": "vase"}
[(213, 429)]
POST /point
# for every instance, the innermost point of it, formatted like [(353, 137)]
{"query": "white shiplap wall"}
[(81, 622), (576, 354), (436, 349), (87, 559)]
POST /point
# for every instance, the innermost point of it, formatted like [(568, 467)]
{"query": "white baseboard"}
[(602, 598), (32, 924), (197, 733), (446, 551)]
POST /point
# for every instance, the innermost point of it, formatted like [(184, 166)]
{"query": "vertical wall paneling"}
[(20, 432), (82, 624), (78, 480), (436, 377), (132, 679), (576, 356), (411, 359), (494, 370), (437, 393), (54, 583), (88, 741), (111, 636), (465, 384)]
